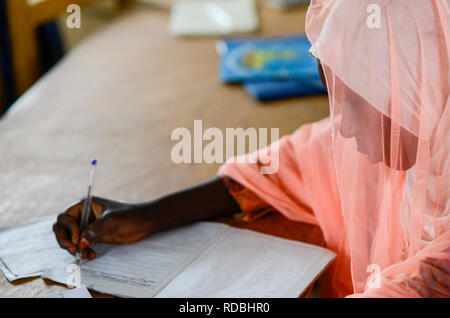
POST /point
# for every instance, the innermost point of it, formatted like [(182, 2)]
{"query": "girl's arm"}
[(116, 222)]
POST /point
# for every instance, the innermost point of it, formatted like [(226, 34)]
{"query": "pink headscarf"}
[(376, 174)]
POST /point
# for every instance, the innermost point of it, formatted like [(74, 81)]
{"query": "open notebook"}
[(206, 259)]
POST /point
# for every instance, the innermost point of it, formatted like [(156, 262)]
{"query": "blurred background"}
[(34, 36)]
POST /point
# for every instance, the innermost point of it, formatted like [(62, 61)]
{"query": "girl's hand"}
[(109, 222)]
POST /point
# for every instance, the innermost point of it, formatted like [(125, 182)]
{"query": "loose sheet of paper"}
[(249, 264), (26, 250)]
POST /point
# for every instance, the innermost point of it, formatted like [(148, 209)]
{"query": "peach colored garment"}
[(306, 180), (376, 174)]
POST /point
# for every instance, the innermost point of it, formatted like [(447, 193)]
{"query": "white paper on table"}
[(143, 268), (26, 250), (245, 263), (206, 259)]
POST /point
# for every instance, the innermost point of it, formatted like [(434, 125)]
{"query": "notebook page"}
[(143, 268), (245, 263)]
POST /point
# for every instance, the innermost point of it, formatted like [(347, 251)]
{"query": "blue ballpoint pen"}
[(86, 208)]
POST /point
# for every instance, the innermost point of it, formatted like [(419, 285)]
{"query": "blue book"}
[(266, 91), (266, 59)]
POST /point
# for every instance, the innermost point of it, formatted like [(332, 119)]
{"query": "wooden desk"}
[(117, 97)]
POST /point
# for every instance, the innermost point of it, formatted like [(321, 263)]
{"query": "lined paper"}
[(26, 250), (143, 268), (206, 259), (249, 264)]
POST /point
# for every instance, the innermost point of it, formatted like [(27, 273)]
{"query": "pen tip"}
[(94, 162)]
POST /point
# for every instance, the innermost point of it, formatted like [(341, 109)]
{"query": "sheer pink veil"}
[(386, 63)]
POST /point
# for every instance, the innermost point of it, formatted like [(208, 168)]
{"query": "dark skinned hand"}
[(109, 222), (117, 222)]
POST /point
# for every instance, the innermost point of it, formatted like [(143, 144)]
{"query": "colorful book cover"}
[(266, 59)]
